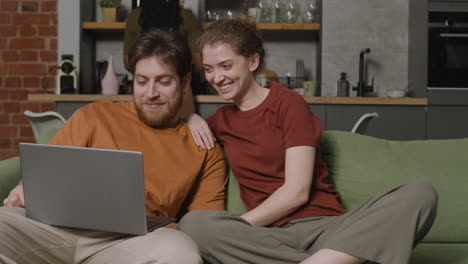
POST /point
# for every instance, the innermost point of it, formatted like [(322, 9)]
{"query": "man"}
[(169, 15), (179, 177)]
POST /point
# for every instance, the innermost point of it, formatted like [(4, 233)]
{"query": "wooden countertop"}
[(218, 99), (120, 26)]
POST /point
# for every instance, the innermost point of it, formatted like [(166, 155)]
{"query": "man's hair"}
[(241, 34), (170, 47)]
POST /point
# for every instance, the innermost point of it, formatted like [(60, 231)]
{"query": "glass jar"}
[(264, 11), (311, 13), (291, 11), (275, 11)]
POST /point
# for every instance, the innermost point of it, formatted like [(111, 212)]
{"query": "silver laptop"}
[(85, 188)]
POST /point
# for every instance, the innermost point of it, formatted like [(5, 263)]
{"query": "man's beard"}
[(159, 118)]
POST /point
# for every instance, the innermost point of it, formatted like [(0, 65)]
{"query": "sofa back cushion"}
[(360, 166), (234, 204)]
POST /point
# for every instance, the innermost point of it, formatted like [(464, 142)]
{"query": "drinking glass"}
[(311, 14), (264, 7), (275, 11), (292, 11)]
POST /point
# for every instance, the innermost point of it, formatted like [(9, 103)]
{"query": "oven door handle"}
[(454, 35)]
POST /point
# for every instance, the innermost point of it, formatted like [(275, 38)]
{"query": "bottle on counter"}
[(343, 86)]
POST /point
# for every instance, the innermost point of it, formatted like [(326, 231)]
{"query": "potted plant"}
[(109, 9)]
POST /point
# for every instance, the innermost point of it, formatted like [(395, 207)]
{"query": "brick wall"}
[(28, 49)]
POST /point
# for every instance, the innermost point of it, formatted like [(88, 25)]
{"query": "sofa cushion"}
[(436, 253), (9, 176), (234, 204), (361, 166)]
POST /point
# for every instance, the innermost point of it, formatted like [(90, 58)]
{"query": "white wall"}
[(68, 35), (384, 27)]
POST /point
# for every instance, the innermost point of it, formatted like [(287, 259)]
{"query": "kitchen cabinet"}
[(67, 109), (207, 109), (400, 118), (394, 122), (447, 122), (321, 111)]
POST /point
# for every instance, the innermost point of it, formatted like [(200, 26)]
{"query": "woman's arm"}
[(293, 194), (201, 132)]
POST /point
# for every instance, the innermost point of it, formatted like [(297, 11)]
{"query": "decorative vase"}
[(108, 14), (110, 83)]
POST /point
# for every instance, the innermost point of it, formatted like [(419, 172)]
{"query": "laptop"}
[(87, 188)]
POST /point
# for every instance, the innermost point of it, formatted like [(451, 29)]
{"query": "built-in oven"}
[(448, 45)]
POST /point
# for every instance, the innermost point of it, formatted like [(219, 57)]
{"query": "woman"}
[(272, 141)]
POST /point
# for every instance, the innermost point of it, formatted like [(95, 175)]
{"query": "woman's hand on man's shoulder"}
[(201, 132)]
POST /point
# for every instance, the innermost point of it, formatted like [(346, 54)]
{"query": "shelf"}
[(104, 26), (219, 99), (120, 26)]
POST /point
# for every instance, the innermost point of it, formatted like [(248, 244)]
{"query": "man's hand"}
[(172, 225), (15, 198)]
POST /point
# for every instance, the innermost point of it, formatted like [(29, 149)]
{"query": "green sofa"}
[(361, 166)]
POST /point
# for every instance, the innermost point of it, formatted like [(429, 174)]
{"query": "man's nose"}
[(152, 91)]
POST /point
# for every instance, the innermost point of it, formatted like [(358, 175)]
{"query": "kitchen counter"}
[(218, 99)]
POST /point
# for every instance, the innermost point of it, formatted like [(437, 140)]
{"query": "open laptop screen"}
[(86, 188)]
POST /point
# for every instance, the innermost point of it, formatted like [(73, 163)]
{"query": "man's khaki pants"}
[(23, 240)]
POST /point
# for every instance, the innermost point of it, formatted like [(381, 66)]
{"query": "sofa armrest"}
[(9, 176), (10, 173)]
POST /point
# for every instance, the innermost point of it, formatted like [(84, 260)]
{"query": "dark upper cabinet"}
[(393, 122)]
